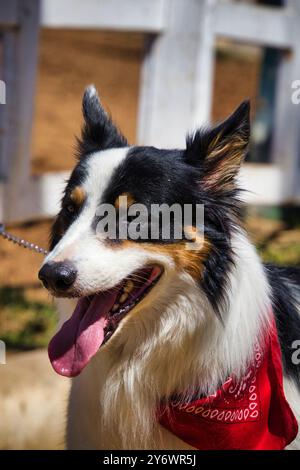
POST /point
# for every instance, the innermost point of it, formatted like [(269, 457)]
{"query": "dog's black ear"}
[(221, 150), (98, 131)]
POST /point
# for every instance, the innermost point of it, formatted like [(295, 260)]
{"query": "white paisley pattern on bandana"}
[(234, 402)]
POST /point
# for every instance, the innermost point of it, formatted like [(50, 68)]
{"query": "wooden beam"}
[(176, 83), (41, 199), (131, 15), (6, 111), (264, 184), (267, 26), (286, 142), (204, 74), (20, 58), (2, 194), (8, 13)]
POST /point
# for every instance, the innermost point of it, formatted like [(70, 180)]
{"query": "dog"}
[(170, 347)]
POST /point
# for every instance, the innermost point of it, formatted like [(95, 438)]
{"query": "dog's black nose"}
[(58, 276)]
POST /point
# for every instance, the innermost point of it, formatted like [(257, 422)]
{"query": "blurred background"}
[(162, 67)]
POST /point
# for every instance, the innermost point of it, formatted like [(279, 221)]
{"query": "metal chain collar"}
[(20, 241)]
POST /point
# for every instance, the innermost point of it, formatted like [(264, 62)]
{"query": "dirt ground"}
[(14, 273), (33, 402)]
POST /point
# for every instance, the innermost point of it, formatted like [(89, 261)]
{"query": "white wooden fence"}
[(176, 85)]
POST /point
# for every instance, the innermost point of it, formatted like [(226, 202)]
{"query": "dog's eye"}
[(71, 208)]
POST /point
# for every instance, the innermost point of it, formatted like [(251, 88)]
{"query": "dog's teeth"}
[(123, 298), (115, 307), (129, 286)]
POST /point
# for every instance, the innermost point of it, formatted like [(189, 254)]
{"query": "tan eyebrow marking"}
[(129, 202), (78, 195)]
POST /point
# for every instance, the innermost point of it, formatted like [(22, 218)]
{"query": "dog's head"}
[(112, 246)]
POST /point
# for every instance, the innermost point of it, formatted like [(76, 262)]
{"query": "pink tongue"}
[(80, 337)]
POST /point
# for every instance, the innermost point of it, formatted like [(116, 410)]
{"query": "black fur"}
[(285, 284), (156, 176), (98, 132), (223, 209), (197, 144)]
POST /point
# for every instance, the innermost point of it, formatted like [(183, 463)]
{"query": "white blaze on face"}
[(100, 167), (99, 266)]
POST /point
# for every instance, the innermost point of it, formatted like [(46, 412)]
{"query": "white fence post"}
[(20, 57), (286, 141), (176, 81)]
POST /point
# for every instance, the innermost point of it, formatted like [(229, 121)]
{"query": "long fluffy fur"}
[(190, 332), (177, 344)]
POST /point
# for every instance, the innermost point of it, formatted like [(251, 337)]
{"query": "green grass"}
[(25, 324), (285, 255)]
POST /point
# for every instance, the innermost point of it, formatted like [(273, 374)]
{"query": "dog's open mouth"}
[(95, 320)]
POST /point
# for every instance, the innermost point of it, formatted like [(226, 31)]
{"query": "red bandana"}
[(250, 414)]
